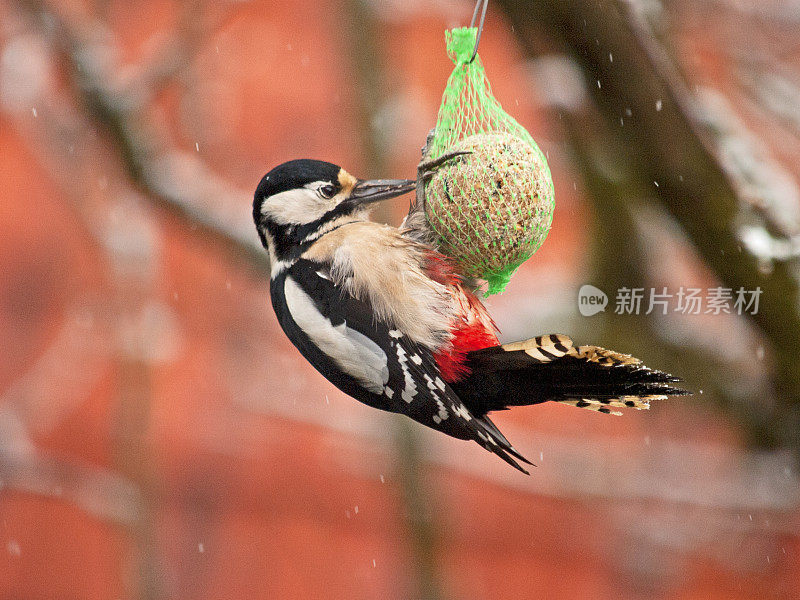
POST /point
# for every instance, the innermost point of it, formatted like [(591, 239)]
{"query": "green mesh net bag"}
[(490, 208)]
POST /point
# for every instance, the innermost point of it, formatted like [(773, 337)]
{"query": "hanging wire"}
[(480, 25)]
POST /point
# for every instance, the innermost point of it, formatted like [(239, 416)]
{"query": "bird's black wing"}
[(370, 360)]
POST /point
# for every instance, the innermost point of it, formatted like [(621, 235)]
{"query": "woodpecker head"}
[(296, 201)]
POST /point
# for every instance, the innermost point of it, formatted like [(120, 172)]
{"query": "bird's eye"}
[(327, 191)]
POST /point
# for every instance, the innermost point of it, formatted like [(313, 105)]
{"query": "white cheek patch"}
[(353, 352), (295, 207)]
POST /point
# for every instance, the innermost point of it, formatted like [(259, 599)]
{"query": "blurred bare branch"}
[(706, 126), (422, 527), (171, 53), (362, 43), (101, 493), (175, 180), (37, 402), (620, 254)]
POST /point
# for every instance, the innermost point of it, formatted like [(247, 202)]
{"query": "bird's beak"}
[(374, 190)]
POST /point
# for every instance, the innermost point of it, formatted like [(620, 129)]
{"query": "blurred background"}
[(159, 436)]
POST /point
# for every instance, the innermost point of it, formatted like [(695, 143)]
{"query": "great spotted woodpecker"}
[(386, 319)]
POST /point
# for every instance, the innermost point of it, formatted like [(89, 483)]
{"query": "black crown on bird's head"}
[(292, 175), (295, 174), (295, 199)]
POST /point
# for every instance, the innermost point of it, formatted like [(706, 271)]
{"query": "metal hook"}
[(480, 25)]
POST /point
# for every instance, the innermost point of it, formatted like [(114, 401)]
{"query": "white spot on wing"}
[(442, 414), (409, 387), (353, 352), (461, 411)]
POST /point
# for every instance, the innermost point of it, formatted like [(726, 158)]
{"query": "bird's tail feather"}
[(551, 367), (496, 442)]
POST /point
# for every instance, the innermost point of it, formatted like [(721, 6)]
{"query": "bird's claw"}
[(426, 168)]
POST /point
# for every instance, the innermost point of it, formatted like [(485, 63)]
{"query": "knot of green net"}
[(498, 280), (461, 43)]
